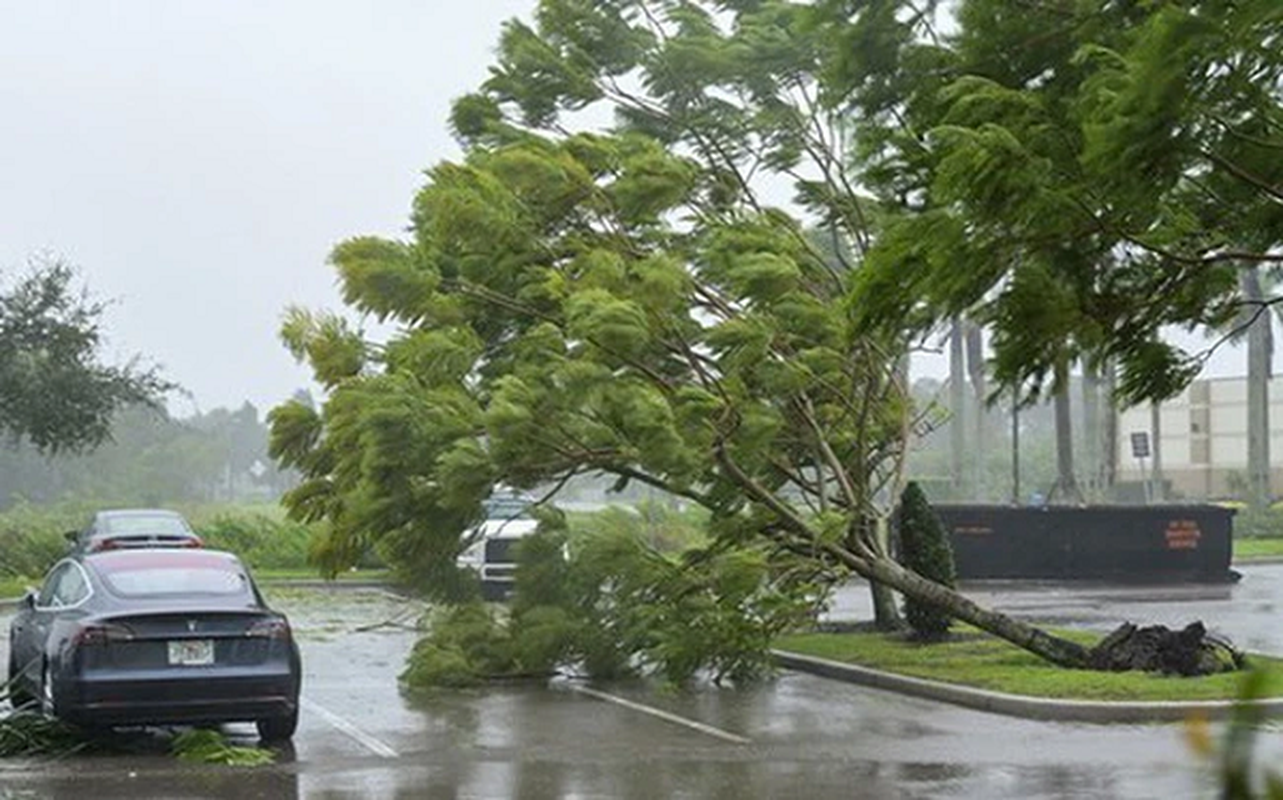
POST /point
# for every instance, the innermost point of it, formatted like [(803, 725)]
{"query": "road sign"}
[(1140, 444)]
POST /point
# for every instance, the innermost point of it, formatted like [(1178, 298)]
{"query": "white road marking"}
[(375, 746), (662, 714)]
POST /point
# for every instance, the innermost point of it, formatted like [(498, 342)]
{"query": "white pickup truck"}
[(492, 555)]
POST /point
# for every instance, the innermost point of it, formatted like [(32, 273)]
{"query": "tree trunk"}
[(976, 369), (1259, 355), (1015, 447), (1109, 466), (957, 410), (868, 559), (1066, 488), (886, 612), (1157, 492), (1061, 652), (1091, 432)]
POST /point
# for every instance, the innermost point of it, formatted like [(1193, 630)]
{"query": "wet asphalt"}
[(797, 737)]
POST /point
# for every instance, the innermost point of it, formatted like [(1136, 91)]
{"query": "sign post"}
[(1140, 451)]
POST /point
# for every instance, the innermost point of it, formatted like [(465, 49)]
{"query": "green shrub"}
[(260, 541), (1258, 523), (925, 549), (33, 537)]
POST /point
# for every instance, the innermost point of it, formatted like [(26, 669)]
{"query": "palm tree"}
[(1066, 486), (1260, 346)]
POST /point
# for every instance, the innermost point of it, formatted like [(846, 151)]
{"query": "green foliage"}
[(465, 645), (664, 527), (616, 608), (261, 541), (616, 302), (433, 666), (1237, 761), (56, 393), (335, 351), (28, 733), (25, 733), (925, 549), (1246, 550), (209, 746), (626, 302), (11, 587), (677, 615), (1250, 523), (32, 537), (1110, 183)]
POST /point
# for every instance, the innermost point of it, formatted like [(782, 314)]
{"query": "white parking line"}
[(369, 742), (662, 714)]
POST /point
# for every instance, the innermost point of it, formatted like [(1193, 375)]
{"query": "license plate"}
[(191, 652)]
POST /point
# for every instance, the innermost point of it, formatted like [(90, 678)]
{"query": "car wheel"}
[(276, 729), (18, 696)]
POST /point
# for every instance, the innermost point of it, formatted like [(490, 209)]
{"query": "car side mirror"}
[(29, 599), (71, 536)]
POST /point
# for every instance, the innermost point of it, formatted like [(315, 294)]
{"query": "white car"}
[(491, 555)]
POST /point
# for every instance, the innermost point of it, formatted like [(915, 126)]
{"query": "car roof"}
[(120, 513)]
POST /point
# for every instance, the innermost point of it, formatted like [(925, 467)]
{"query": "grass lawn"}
[(975, 659), (1248, 549), (15, 587)]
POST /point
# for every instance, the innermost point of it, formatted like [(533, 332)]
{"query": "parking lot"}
[(798, 736)]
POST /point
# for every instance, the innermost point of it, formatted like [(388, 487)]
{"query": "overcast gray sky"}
[(198, 159)]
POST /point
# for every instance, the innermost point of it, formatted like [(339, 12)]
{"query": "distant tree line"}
[(151, 459)]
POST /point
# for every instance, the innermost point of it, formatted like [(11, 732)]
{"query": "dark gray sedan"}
[(157, 636), (123, 528)]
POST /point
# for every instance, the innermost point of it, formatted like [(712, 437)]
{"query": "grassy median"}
[(14, 587), (972, 658), (1247, 549)]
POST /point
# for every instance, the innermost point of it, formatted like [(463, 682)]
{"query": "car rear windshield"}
[(158, 525), (151, 576)]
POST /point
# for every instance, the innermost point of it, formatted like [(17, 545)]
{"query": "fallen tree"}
[(623, 302)]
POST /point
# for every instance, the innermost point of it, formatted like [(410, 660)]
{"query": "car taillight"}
[(97, 633), (275, 628), (195, 541)]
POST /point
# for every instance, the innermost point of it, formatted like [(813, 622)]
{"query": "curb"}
[(1255, 560), (1036, 708)]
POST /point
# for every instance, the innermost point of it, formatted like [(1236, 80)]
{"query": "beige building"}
[(1203, 438)]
